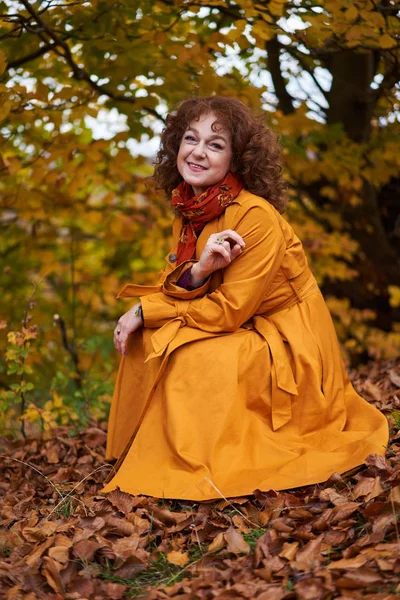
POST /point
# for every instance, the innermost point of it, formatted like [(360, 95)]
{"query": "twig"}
[(230, 503), (35, 469), (64, 498)]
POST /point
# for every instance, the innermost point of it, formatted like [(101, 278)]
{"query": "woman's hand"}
[(126, 325), (220, 250)]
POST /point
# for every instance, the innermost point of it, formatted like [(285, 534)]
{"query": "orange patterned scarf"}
[(199, 210)]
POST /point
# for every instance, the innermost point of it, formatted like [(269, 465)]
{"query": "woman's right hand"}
[(220, 250), (126, 325)]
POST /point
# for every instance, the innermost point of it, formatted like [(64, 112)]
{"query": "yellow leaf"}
[(394, 293), (351, 13), (178, 558), (261, 30), (386, 41), (12, 337)]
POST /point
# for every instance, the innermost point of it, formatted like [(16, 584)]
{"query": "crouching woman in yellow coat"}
[(231, 377)]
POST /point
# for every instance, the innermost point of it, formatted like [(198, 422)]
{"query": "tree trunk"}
[(351, 103)]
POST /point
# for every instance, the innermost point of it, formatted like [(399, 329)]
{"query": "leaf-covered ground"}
[(60, 538)]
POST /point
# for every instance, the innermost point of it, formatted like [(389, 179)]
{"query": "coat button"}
[(172, 258)]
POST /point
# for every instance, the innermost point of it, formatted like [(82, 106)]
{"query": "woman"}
[(231, 378)]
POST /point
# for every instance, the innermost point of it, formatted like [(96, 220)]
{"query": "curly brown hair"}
[(256, 149)]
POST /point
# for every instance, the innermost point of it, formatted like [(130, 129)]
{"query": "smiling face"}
[(205, 153)]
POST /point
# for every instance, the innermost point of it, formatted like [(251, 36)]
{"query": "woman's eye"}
[(217, 146), (189, 138)]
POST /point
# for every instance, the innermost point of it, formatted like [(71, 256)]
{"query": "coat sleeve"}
[(245, 283)]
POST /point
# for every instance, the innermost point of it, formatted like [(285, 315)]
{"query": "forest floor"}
[(61, 538)]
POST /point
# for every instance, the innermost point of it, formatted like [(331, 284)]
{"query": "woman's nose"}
[(199, 150)]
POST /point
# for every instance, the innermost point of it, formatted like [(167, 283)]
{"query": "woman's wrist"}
[(139, 312), (197, 275)]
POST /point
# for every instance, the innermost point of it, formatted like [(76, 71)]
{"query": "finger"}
[(220, 249), (119, 341), (122, 344), (116, 343), (236, 250)]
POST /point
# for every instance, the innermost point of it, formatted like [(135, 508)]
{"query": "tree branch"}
[(285, 100), (14, 64)]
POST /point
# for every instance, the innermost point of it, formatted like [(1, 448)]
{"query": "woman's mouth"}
[(196, 168)]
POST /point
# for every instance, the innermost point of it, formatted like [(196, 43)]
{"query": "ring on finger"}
[(219, 240)]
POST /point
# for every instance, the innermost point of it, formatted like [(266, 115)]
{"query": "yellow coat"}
[(238, 385)]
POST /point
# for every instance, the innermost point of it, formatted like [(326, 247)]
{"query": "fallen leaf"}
[(39, 533), (368, 486), (218, 543), (121, 500), (273, 592), (86, 549), (51, 571), (372, 390), (348, 563), (359, 578), (178, 558), (59, 554), (126, 546), (394, 378), (236, 542), (289, 550), (310, 556)]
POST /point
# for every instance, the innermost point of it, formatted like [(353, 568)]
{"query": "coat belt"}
[(283, 382)]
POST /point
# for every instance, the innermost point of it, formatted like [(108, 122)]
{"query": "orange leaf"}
[(178, 558)]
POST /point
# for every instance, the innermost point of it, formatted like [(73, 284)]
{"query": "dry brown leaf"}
[(310, 556), (132, 566), (118, 526), (95, 437), (343, 511), (39, 533), (236, 542), (178, 558), (289, 551), (394, 378), (217, 543), (359, 578), (140, 525), (241, 524), (121, 500), (348, 563), (86, 549), (378, 461), (59, 554), (333, 537), (384, 565), (311, 589), (126, 546), (370, 487), (372, 390), (164, 515), (51, 571), (332, 495), (273, 592)]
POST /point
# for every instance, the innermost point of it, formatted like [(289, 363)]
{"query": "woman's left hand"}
[(126, 325)]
